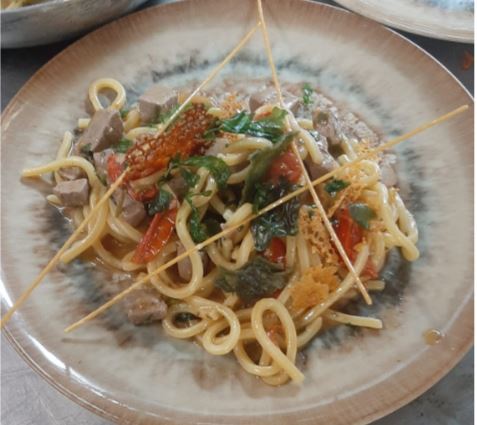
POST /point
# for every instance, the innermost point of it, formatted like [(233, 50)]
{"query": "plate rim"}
[(449, 35), (466, 310)]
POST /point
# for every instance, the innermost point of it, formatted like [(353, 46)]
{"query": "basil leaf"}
[(260, 163), (123, 145), (238, 124), (307, 92), (217, 167), (123, 113), (361, 214), (197, 230), (335, 185), (270, 127), (160, 203), (281, 221), (256, 279), (190, 178), (185, 317)]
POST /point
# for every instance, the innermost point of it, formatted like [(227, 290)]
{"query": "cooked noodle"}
[(264, 334)]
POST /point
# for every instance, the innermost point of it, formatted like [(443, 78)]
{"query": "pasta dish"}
[(267, 288)]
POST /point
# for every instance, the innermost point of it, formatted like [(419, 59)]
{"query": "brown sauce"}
[(433, 336)]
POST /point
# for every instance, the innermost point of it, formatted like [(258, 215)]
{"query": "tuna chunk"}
[(100, 160), (72, 193), (71, 173), (269, 95), (326, 123), (327, 164), (132, 211), (156, 100), (179, 186), (104, 130), (184, 266), (145, 306)]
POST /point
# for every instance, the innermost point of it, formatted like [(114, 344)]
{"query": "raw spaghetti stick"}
[(268, 208), (54, 261), (309, 184)]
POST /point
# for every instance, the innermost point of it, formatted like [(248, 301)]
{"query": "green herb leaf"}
[(217, 167), (124, 113), (160, 203), (281, 221), (256, 279), (307, 92), (123, 145), (238, 124), (362, 214), (260, 163), (197, 229), (190, 178), (270, 127), (185, 317), (335, 185)]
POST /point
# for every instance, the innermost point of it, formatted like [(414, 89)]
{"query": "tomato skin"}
[(286, 166), (276, 251), (143, 195), (114, 168), (156, 236), (351, 234)]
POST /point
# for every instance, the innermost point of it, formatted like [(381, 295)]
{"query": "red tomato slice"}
[(276, 251), (156, 236), (286, 165), (114, 168), (350, 234)]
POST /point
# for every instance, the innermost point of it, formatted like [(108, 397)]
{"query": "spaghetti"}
[(243, 293)]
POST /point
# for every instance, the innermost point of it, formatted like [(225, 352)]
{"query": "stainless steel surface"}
[(27, 399)]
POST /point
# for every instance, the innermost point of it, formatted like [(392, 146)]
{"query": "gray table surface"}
[(27, 399)]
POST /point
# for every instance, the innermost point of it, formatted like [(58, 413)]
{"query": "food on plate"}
[(272, 284)]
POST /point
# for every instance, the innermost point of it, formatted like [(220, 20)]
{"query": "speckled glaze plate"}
[(137, 375), (443, 19)]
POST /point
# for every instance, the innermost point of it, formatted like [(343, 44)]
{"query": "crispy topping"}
[(313, 229), (314, 287), (185, 137), (231, 105)]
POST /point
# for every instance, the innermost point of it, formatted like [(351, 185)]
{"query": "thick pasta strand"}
[(220, 321)]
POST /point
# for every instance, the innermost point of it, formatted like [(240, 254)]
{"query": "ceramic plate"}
[(134, 375), (443, 19), (53, 21)]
